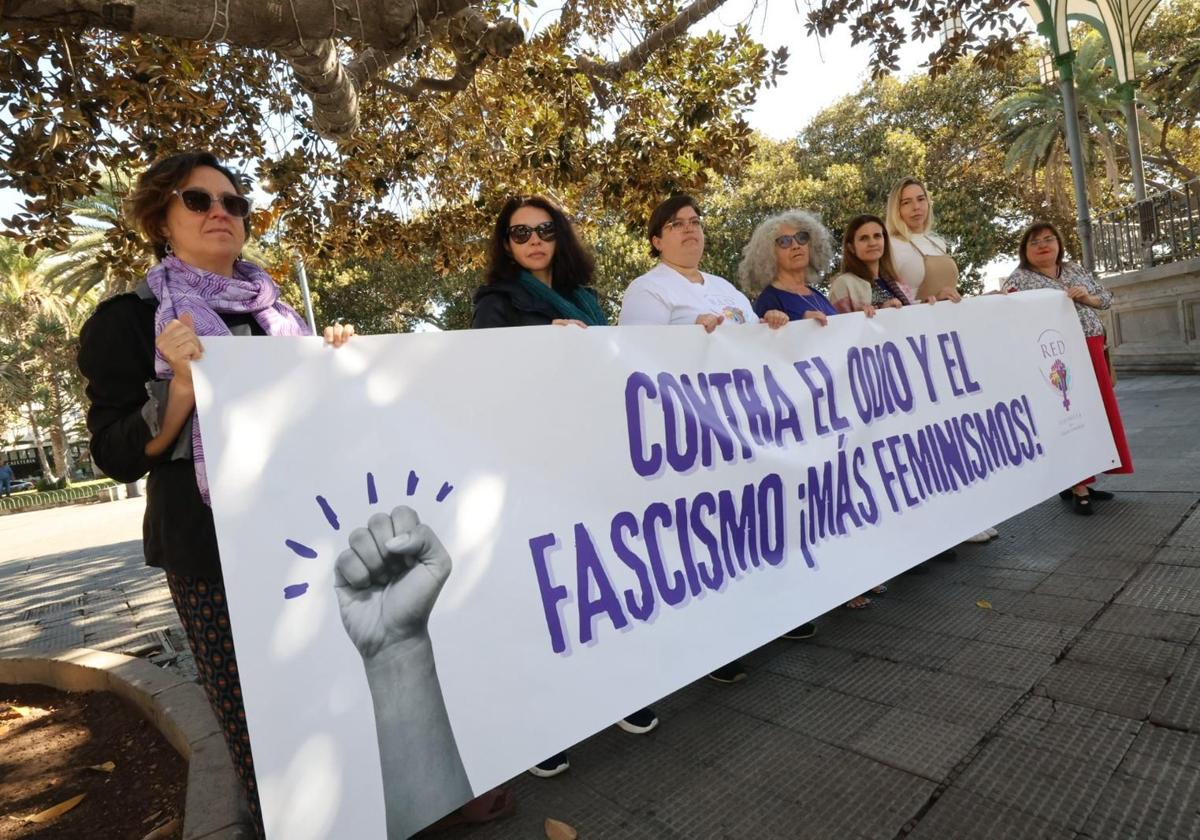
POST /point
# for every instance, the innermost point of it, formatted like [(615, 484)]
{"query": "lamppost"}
[(302, 276)]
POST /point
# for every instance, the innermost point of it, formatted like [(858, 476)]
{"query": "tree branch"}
[(473, 40), (334, 93), (637, 57)]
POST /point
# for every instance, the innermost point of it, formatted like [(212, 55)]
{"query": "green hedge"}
[(74, 493)]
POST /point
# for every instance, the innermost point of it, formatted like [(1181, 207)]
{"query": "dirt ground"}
[(56, 745)]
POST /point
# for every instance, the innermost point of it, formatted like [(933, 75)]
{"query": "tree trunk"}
[(58, 432), (385, 24), (31, 416)]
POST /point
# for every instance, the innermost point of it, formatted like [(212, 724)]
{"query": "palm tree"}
[(1033, 126), (37, 353), (103, 254)]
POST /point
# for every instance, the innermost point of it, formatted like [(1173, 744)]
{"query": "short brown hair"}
[(1038, 227), (663, 213), (148, 203)]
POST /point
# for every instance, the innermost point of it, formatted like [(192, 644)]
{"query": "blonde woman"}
[(919, 255), (921, 259)]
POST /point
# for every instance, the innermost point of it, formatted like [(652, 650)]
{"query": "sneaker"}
[(551, 767), (804, 631), (640, 722), (731, 673), (981, 537), (993, 533)]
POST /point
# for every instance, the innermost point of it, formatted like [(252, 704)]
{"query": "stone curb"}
[(214, 809)]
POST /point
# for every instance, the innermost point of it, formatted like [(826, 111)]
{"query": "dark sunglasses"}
[(788, 239), (200, 201), (521, 233)]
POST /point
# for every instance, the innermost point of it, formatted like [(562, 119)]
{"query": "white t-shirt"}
[(663, 296), (908, 258)]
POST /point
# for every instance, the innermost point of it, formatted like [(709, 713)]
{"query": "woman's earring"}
[(170, 251)]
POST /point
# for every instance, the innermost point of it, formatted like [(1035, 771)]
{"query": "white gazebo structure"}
[(1120, 22)]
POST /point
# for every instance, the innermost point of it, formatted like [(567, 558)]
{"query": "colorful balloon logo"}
[(1060, 380)]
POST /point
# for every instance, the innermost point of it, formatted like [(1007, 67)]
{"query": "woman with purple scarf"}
[(136, 353)]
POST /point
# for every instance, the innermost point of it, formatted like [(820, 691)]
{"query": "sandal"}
[(493, 805), (1082, 505), (860, 602), (879, 590)]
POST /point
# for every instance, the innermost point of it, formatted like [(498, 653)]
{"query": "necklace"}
[(805, 295)]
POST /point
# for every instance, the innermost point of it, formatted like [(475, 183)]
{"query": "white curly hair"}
[(758, 267)]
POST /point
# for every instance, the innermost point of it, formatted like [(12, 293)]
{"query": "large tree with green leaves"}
[(848, 158), (393, 126)]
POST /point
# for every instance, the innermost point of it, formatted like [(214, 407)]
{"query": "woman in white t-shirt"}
[(676, 291), (919, 255)]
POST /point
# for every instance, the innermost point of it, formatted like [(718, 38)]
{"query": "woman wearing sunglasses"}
[(136, 353), (1043, 266), (538, 271), (785, 258)]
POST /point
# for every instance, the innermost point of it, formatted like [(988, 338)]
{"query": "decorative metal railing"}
[(1162, 229)]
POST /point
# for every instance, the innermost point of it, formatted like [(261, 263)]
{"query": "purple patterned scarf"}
[(182, 288)]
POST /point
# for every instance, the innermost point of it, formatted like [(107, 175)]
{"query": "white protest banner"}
[(606, 515)]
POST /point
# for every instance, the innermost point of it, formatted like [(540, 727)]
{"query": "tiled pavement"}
[(1069, 709)]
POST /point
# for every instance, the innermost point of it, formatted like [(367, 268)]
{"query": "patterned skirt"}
[(204, 613)]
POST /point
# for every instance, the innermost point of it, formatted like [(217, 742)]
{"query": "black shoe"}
[(551, 767), (804, 631), (731, 673), (640, 722), (1082, 505), (1100, 495), (1066, 495), (946, 556)]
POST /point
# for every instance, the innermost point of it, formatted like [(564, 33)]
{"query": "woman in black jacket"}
[(538, 271), (136, 353)]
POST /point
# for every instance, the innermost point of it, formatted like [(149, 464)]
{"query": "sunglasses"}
[(790, 239), (521, 233), (200, 201)]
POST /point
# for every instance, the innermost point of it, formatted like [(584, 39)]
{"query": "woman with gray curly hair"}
[(784, 259)]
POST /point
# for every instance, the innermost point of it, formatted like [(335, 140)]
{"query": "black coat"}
[(508, 304), (116, 356)]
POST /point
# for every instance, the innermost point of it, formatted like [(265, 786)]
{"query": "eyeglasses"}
[(521, 233), (1044, 240), (200, 201), (689, 224), (789, 239)]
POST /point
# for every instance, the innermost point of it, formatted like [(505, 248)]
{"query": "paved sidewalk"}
[(75, 577), (1069, 709)]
